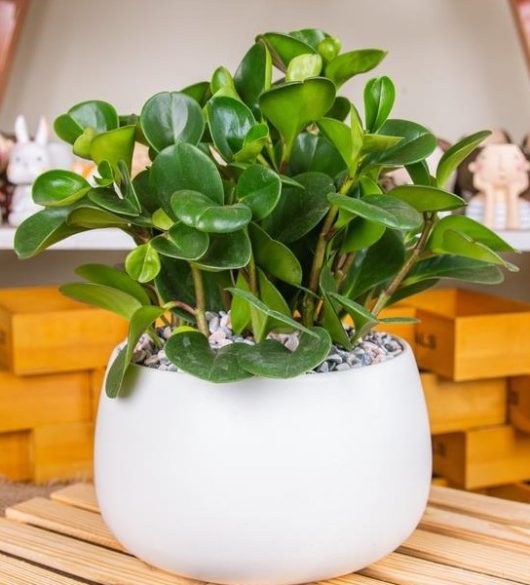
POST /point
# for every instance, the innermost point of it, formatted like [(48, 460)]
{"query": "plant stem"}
[(200, 301), (345, 268), (253, 286), (406, 268)]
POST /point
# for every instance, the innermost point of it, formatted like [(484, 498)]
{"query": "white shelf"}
[(114, 239), (108, 239)]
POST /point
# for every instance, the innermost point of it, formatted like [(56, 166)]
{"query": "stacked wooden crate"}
[(475, 352), (52, 352)]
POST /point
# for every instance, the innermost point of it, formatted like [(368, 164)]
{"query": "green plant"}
[(262, 197)]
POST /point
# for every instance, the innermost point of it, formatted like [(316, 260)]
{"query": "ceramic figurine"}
[(29, 158), (500, 176), (6, 145)]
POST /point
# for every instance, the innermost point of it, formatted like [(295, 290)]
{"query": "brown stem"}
[(345, 268), (200, 301), (406, 268), (181, 305)]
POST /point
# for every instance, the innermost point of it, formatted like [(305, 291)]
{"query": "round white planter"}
[(265, 482)]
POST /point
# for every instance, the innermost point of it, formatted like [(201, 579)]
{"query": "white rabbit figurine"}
[(28, 159)]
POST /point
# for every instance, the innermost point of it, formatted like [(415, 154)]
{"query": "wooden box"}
[(518, 492), (28, 402), (15, 456), (459, 406), (482, 457), (465, 335), (42, 331), (519, 403)]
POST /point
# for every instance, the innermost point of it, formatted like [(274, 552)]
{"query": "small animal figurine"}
[(500, 175), (6, 145), (29, 158)]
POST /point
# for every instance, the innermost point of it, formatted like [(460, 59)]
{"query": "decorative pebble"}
[(374, 348)]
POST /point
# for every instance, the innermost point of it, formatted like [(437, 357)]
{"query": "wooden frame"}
[(12, 14), (521, 14)]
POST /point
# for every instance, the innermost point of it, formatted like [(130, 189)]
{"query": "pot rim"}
[(405, 354)]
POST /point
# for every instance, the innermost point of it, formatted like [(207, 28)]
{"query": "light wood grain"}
[(81, 495), (16, 572), (476, 529), (64, 519), (80, 559), (481, 558)]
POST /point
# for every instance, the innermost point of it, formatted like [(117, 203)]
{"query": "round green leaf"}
[(311, 36), (200, 212), (183, 166), (253, 76), (90, 216), (114, 146), (424, 198), (313, 152), (454, 267), (272, 360), (303, 67), (182, 242), (171, 117), (347, 65), (227, 252), (283, 48), (143, 263), (260, 189), (221, 78), (361, 233), (58, 188), (379, 96), (190, 351), (108, 199), (98, 115), (200, 92), (293, 106)]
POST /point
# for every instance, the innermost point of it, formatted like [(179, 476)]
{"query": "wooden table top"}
[(463, 539)]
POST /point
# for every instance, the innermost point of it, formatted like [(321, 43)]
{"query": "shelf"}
[(113, 239), (108, 239)]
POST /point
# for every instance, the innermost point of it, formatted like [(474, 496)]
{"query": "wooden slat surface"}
[(463, 539)]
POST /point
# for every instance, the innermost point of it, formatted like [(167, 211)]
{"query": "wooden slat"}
[(80, 559), (80, 495), (486, 507), (481, 558), (16, 572), (353, 579), (476, 529), (64, 519), (401, 569)]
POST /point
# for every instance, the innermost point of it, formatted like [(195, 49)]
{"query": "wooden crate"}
[(96, 386), (465, 335), (463, 538), (63, 451), (482, 457), (459, 406), (15, 455), (518, 492), (519, 403), (42, 331), (28, 402)]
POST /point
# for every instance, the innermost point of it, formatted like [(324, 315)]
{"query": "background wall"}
[(456, 63)]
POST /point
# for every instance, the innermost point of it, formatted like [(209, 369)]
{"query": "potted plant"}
[(254, 437)]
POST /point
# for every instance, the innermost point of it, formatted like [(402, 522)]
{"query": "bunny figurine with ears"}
[(29, 158)]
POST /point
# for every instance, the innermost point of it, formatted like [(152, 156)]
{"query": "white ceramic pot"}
[(265, 482)]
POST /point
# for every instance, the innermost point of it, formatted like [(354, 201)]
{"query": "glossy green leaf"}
[(424, 198), (200, 212), (456, 154), (254, 74), (259, 188), (229, 120), (416, 144), (83, 144), (146, 195), (184, 166), (361, 233), (293, 106), (383, 209), (227, 252), (90, 216), (304, 66), (58, 188), (419, 173), (345, 66), (161, 220), (378, 142), (454, 267), (190, 351), (114, 146), (174, 281), (108, 199), (240, 316), (104, 297), (313, 152), (98, 115), (256, 138), (272, 360), (113, 278), (182, 242), (363, 320), (41, 230), (221, 78), (268, 312), (311, 36), (171, 117), (299, 211), (379, 96), (143, 263), (283, 48), (343, 138), (200, 92), (330, 318), (274, 257), (340, 109), (140, 321), (329, 48)]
